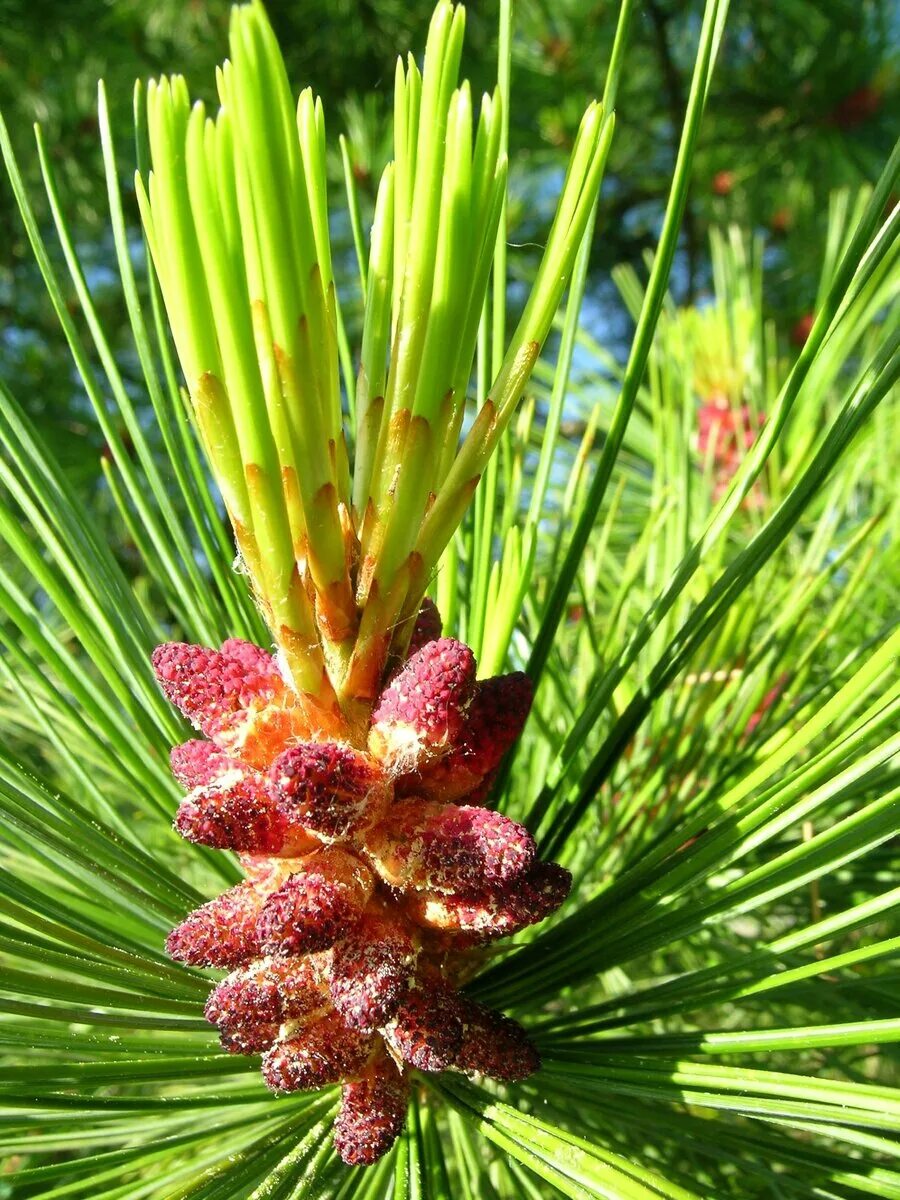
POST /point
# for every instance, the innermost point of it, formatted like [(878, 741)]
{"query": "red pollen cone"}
[(361, 873), (427, 1028), (331, 789), (446, 848), (495, 1045), (373, 1110), (419, 715), (370, 971), (268, 990), (497, 912), (221, 933), (244, 816), (495, 718), (315, 905), (427, 628), (324, 1052)]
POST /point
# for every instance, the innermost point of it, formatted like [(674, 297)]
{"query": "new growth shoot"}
[(339, 546)]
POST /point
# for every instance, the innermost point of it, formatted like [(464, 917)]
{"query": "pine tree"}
[(537, 775)]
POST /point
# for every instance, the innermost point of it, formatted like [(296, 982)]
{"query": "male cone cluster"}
[(725, 435), (369, 874)]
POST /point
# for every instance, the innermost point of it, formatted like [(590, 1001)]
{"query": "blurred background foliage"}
[(801, 105)]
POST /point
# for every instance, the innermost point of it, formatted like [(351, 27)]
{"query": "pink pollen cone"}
[(497, 912), (419, 715), (197, 763), (253, 659), (207, 685), (331, 789), (243, 816), (315, 905), (373, 1109), (494, 720), (221, 933), (446, 848), (370, 971), (324, 1052)]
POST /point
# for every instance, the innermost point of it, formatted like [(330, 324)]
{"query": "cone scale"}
[(369, 874)]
